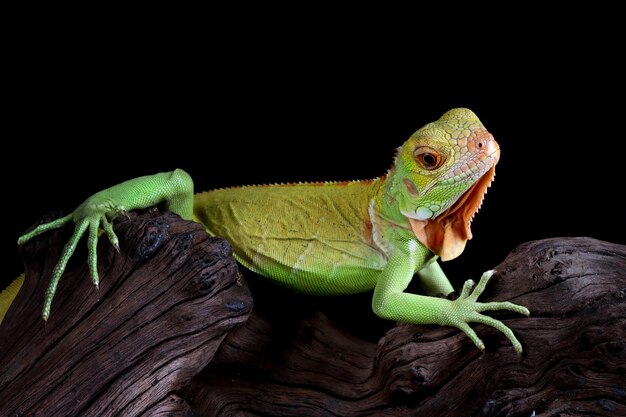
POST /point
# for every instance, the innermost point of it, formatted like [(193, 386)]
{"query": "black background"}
[(86, 111)]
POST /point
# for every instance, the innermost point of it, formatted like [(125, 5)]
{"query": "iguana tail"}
[(8, 295)]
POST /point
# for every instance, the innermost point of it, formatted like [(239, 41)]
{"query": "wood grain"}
[(164, 305), (574, 361)]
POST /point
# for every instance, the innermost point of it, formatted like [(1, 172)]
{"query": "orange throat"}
[(447, 234)]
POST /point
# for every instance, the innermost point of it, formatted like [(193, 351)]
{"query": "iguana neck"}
[(386, 198)]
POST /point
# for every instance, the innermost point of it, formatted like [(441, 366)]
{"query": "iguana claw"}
[(87, 217), (466, 310)]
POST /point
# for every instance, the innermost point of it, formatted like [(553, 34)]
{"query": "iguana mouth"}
[(447, 234)]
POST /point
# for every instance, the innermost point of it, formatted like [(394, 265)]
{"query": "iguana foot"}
[(466, 309), (87, 217), (174, 188)]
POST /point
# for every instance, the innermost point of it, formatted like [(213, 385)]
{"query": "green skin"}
[(335, 238)]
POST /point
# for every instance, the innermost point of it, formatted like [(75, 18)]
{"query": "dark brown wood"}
[(164, 305), (574, 362), (174, 295)]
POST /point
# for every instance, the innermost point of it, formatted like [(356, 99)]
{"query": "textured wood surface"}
[(574, 360), (164, 305)]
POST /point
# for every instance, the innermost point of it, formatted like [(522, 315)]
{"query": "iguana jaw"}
[(447, 234)]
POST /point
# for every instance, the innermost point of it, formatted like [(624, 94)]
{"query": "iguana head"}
[(442, 173)]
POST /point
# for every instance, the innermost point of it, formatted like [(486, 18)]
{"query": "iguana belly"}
[(316, 238)]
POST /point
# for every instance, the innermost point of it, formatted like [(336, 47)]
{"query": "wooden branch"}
[(574, 361), (173, 295), (164, 305)]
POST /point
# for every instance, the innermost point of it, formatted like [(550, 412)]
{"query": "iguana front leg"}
[(391, 302), (433, 280), (175, 189)]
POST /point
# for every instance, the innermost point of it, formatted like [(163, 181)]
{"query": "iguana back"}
[(305, 236)]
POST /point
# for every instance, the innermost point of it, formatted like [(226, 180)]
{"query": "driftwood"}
[(574, 362), (164, 305), (173, 296)]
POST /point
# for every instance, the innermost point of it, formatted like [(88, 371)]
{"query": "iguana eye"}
[(427, 157)]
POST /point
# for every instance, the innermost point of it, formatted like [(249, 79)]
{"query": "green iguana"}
[(333, 238)]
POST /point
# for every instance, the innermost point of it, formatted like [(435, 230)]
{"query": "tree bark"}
[(574, 360), (173, 295), (164, 305)]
